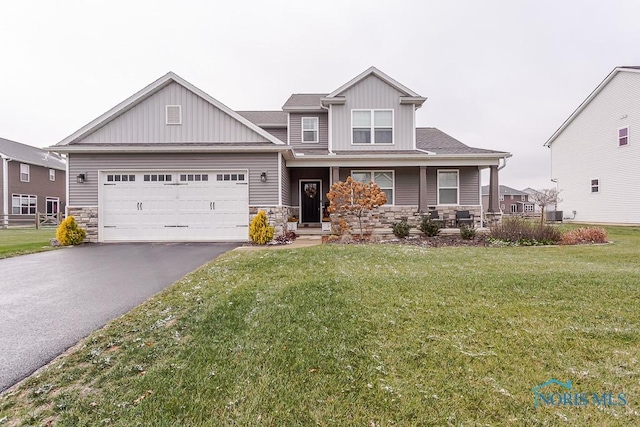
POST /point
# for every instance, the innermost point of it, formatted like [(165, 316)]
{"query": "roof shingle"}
[(32, 155)]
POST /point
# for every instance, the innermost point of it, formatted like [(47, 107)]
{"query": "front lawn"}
[(364, 335), (20, 241)]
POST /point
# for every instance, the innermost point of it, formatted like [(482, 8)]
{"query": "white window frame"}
[(316, 129), (21, 198), (52, 174), (373, 174), (25, 169), (595, 186), (514, 208), (621, 137), (502, 207), (373, 127), (529, 208), (457, 171), (166, 115), (523, 198), (46, 203), (501, 197)]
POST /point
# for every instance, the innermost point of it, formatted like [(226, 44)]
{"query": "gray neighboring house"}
[(171, 163), (512, 201), (31, 180)]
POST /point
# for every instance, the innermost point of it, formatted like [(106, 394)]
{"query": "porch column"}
[(494, 205), (335, 174), (422, 190)]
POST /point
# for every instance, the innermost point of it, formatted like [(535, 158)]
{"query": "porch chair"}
[(435, 217), (464, 218)]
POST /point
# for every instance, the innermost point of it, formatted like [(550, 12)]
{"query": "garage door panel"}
[(176, 206)]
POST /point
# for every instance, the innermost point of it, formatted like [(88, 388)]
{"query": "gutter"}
[(166, 149)]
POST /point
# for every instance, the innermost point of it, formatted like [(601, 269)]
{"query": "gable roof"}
[(150, 90), (438, 142), (266, 118), (32, 155), (379, 74), (504, 191), (596, 91)]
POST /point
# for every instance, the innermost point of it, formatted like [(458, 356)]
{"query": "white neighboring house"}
[(595, 154)]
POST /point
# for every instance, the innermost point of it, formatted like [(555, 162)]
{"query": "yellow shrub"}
[(260, 231), (68, 232)]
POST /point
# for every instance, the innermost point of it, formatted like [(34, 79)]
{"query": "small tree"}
[(355, 198), (68, 232), (544, 198), (260, 231)]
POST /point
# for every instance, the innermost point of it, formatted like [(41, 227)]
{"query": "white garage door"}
[(174, 206)]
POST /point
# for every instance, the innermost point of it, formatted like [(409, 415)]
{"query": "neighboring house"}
[(173, 163), (32, 181), (595, 153), (531, 191), (511, 201)]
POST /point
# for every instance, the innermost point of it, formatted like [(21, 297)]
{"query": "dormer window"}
[(309, 129), (372, 126)]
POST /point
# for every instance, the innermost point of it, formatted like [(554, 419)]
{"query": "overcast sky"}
[(497, 74)]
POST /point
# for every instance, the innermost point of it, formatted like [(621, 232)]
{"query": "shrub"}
[(401, 229), (260, 231), (285, 238), (519, 231), (467, 233), (68, 232), (429, 227), (585, 235), (354, 198)]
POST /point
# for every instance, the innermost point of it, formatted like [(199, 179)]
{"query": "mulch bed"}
[(422, 241)]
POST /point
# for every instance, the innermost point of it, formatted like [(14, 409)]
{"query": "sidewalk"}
[(300, 242)]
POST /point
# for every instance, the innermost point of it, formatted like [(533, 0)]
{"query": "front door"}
[(310, 198), (53, 204)]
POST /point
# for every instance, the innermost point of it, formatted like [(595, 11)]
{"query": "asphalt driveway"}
[(50, 300)]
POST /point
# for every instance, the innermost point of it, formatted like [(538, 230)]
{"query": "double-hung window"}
[(447, 187), (52, 174), (309, 129), (623, 136), (24, 173), (23, 204), (372, 126), (384, 180)]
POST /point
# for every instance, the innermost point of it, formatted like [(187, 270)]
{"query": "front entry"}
[(310, 198)]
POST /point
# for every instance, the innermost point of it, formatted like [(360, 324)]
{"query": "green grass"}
[(20, 241), (359, 336)]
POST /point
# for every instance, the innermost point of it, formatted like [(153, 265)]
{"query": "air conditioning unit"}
[(554, 216)]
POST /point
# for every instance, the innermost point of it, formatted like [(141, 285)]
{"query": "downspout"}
[(504, 163), (5, 190)]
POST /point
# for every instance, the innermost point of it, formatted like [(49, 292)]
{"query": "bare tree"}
[(544, 198), (354, 198)]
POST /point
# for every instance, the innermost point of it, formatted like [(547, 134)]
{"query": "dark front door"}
[(310, 197)]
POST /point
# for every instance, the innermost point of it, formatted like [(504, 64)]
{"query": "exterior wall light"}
[(263, 177)]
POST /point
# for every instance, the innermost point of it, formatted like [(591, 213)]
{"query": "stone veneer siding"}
[(277, 216), (86, 217)]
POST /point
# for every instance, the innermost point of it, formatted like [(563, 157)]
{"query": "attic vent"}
[(174, 114)]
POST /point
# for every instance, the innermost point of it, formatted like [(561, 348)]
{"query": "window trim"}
[(52, 174), (20, 198), (501, 197), (621, 137), (51, 199), (595, 186), (27, 173), (316, 130), (514, 208), (457, 171), (372, 127), (528, 207), (373, 172)]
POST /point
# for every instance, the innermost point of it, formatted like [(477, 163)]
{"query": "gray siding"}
[(260, 193), (280, 133), (469, 185), (372, 93), (286, 184), (405, 185), (295, 137), (146, 122)]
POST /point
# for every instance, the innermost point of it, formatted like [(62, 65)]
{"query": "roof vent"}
[(174, 114)]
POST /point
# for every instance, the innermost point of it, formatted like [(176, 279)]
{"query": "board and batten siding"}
[(260, 193), (372, 93), (146, 122), (286, 184), (469, 185), (295, 137), (588, 149)]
